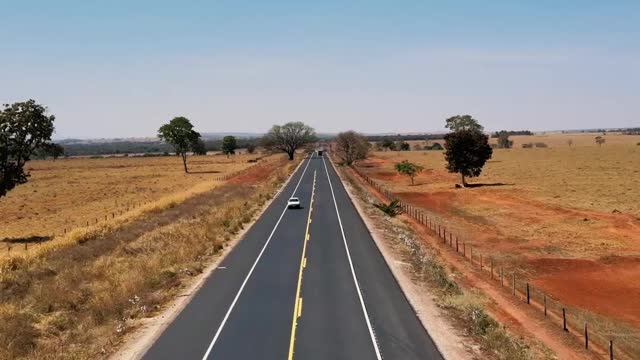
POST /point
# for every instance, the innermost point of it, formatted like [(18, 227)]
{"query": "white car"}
[(293, 203)]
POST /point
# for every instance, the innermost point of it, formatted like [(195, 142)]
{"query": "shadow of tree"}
[(27, 240), (488, 184)]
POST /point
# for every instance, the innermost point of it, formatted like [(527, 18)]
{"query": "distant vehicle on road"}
[(293, 203)]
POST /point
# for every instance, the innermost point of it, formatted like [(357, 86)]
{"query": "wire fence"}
[(595, 332), (14, 246)]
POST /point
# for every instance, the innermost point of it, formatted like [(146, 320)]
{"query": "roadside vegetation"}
[(351, 147), (465, 306), (78, 301)]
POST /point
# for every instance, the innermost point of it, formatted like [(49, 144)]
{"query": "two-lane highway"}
[(304, 283)]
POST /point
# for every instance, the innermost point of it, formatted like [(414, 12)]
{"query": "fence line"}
[(25, 246), (552, 309)]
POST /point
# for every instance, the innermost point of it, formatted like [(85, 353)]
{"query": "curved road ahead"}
[(304, 283)]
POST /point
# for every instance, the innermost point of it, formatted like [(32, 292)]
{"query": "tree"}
[(388, 144), (179, 133), (51, 149), (503, 140), (251, 148), (24, 128), (402, 146), (409, 169), (600, 140), (199, 147), (435, 146), (463, 122), (229, 145), (351, 146), (466, 152), (289, 137)]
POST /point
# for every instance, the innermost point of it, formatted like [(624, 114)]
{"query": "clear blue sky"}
[(122, 68)]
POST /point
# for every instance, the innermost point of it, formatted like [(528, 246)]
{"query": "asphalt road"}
[(305, 283)]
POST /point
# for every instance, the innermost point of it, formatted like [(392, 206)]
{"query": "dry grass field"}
[(68, 195), (79, 301), (567, 218)]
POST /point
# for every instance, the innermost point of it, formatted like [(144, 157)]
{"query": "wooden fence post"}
[(610, 349), (514, 283), (491, 269), (586, 337), (457, 248), (528, 295), (480, 261), (564, 319), (544, 299)]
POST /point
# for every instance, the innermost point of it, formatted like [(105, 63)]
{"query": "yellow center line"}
[(297, 308)]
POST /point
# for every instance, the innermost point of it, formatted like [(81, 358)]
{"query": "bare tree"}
[(351, 146), (600, 140)]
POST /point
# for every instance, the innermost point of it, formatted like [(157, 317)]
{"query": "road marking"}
[(233, 304), (353, 272), (297, 308)]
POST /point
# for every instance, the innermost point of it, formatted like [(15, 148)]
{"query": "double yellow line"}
[(297, 308)]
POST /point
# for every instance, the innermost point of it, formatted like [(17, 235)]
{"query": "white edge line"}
[(353, 272), (226, 316)]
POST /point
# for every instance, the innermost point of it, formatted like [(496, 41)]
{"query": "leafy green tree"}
[(402, 146), (251, 148), (351, 146), (24, 128), (463, 122), (179, 133), (199, 147), (466, 152), (409, 169), (229, 145), (289, 137), (435, 146)]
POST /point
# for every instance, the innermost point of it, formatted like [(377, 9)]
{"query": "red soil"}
[(608, 286), (255, 173), (508, 310), (571, 254)]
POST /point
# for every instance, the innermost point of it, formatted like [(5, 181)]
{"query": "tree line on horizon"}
[(26, 129)]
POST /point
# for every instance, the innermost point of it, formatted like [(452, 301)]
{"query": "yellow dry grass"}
[(74, 193), (77, 302), (583, 176)]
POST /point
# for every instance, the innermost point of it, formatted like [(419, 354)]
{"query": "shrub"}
[(541, 145), (392, 209), (527, 146)]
